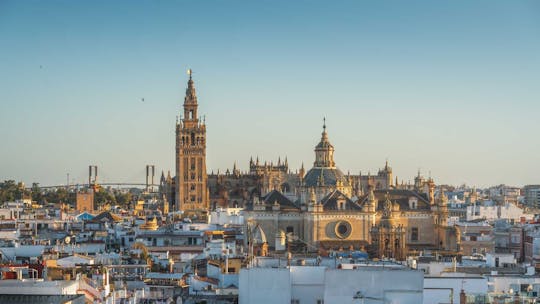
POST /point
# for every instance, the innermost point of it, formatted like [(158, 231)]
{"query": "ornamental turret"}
[(324, 151), (371, 203)]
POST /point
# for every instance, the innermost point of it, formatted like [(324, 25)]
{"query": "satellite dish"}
[(67, 240)]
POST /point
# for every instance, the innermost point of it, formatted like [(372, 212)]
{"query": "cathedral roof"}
[(330, 202), (399, 196), (276, 197), (324, 176)]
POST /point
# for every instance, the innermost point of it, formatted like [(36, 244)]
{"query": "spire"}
[(371, 204), (162, 180), (371, 195), (324, 151), (442, 196), (190, 104), (387, 205), (191, 96), (324, 134), (312, 197)]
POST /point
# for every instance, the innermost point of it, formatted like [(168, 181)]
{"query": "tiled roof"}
[(284, 203), (401, 197), (330, 202), (327, 176)]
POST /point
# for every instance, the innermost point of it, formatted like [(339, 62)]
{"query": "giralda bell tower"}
[(191, 179)]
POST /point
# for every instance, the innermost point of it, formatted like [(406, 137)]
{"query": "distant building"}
[(476, 238), (504, 194), (491, 211), (85, 201), (532, 195)]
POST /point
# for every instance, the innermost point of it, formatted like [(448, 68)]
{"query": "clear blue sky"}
[(450, 87)]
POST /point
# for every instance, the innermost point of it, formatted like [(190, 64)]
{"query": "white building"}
[(321, 284), (226, 216), (446, 287), (491, 211)]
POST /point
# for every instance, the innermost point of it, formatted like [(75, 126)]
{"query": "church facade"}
[(330, 214), (321, 209)]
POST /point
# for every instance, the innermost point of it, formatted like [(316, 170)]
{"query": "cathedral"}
[(321, 209)]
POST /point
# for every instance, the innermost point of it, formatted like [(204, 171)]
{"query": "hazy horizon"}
[(450, 88)]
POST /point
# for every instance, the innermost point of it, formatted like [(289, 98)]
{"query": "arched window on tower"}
[(192, 139), (190, 114)]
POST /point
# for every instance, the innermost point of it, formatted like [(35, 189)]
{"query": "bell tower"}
[(191, 180)]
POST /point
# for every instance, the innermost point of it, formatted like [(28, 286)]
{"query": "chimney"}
[(462, 297)]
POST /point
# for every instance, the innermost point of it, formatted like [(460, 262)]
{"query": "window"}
[(414, 234), (295, 301), (290, 229), (320, 301)]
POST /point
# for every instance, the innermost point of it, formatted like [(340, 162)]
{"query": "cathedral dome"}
[(324, 177)]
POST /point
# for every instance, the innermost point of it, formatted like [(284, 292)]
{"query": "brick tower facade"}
[(191, 193)]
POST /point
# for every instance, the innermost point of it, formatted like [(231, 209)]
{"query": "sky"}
[(448, 87)]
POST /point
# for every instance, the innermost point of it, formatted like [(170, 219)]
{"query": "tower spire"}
[(190, 103), (324, 151)]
